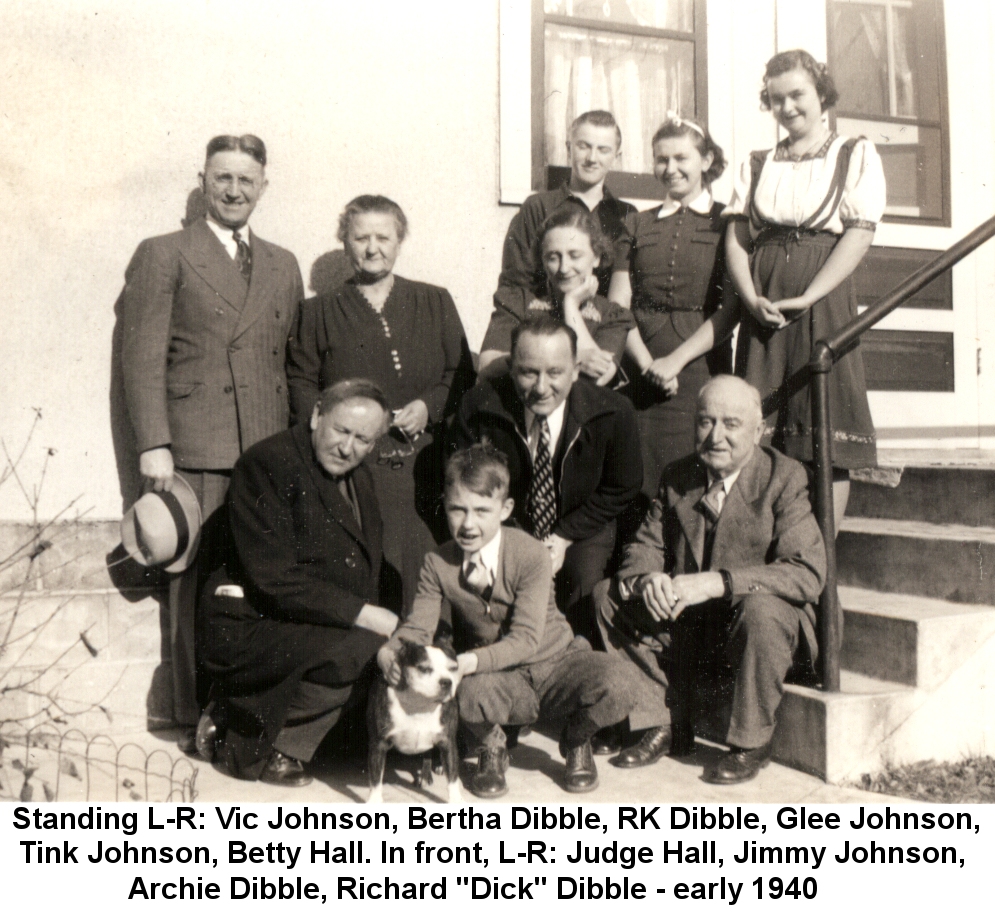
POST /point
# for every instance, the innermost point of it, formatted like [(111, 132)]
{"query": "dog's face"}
[(430, 671)]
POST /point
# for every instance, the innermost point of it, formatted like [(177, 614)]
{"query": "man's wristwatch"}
[(726, 585)]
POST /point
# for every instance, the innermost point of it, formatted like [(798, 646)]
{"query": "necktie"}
[(711, 502), (542, 496), (478, 579), (711, 505), (345, 489), (243, 256)]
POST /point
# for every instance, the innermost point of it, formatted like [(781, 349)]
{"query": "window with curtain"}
[(887, 58), (638, 59)]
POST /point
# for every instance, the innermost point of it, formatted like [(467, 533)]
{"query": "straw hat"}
[(163, 527)]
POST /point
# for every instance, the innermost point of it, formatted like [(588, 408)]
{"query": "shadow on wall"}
[(329, 271)]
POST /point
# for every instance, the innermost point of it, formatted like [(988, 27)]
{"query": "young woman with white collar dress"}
[(804, 215), (669, 269)]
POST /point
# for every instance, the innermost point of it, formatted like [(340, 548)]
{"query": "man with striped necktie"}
[(573, 452)]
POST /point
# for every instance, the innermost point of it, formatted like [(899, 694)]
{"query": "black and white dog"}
[(416, 716)]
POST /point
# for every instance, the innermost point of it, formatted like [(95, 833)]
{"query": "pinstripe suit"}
[(203, 356), (203, 353)]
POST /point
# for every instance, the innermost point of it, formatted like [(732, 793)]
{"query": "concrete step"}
[(952, 562), (964, 495), (935, 458), (830, 735), (908, 639), (872, 724)]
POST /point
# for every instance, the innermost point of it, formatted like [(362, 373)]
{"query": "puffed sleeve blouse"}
[(805, 192)]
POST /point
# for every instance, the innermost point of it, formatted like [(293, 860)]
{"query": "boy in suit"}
[(518, 659)]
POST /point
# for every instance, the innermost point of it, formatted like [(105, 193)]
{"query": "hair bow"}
[(679, 121)]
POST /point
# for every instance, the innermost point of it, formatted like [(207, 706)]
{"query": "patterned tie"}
[(711, 505), (711, 502), (542, 496), (243, 257)]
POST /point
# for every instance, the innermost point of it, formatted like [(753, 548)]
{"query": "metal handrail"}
[(825, 354)]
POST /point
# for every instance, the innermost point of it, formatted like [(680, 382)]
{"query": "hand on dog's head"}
[(430, 671)]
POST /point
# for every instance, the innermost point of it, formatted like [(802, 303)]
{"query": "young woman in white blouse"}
[(803, 217)]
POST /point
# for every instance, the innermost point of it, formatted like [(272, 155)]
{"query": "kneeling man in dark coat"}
[(289, 621), (724, 571)]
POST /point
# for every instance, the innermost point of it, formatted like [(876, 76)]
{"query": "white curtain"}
[(638, 79)]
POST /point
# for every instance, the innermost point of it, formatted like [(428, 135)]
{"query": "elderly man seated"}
[(288, 622), (725, 568)]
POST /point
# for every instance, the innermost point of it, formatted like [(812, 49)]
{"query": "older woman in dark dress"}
[(407, 338)]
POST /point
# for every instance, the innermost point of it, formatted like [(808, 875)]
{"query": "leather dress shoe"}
[(283, 770), (488, 778), (739, 765), (206, 738), (677, 740), (654, 743), (607, 741), (581, 774)]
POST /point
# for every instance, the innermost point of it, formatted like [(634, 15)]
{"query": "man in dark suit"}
[(573, 453), (288, 622), (206, 312), (724, 571)]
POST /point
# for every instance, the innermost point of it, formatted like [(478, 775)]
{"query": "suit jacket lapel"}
[(209, 259), (692, 522), (571, 425), (264, 280), (500, 591), (372, 530), (734, 511)]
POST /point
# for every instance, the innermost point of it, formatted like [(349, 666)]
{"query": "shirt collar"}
[(225, 235), (487, 557), (555, 422), (702, 204), (606, 194), (727, 482)]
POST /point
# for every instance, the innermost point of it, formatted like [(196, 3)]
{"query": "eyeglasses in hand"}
[(394, 447)]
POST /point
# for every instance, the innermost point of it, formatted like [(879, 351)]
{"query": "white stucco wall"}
[(106, 108)]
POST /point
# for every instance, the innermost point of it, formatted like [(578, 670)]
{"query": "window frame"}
[(627, 184), (936, 61)]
